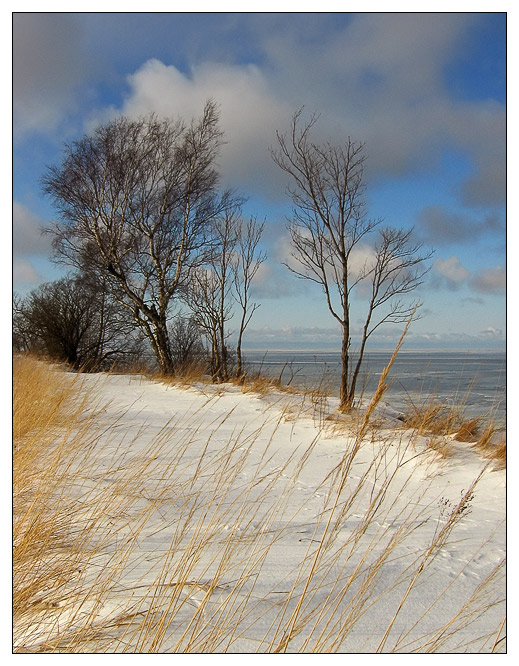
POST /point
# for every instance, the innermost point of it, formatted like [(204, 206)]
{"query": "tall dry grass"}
[(443, 425), (167, 547), (46, 553), (491, 444)]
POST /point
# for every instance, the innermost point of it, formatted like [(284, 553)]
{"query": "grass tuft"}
[(492, 446), (468, 430), (433, 418)]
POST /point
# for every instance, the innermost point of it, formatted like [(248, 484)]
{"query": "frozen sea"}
[(475, 380)]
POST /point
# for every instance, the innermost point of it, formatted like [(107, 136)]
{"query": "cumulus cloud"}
[(450, 272), (490, 338), (300, 338), (28, 245), (294, 337), (378, 77), (382, 76), (359, 77), (436, 225), (273, 281), (250, 113), (24, 272), (482, 134), (491, 332)]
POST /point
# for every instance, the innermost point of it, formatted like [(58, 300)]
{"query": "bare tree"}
[(329, 222), (208, 294), (248, 260), (187, 346), (221, 267), (74, 321), (225, 283), (137, 200), (205, 300), (20, 332)]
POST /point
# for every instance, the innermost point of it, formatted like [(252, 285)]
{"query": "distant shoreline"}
[(376, 351)]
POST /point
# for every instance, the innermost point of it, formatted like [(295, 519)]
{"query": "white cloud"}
[(294, 337), (250, 112), (378, 77), (274, 281), (362, 259), (491, 332), (452, 274), (361, 80), (451, 271)]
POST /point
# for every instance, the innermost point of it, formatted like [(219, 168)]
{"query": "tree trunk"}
[(224, 374), (345, 398), (356, 371), (239, 365), (215, 357), (162, 348), (71, 357), (98, 348)]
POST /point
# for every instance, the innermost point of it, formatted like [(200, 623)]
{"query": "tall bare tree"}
[(220, 291), (137, 200), (249, 258), (212, 310), (328, 224), (209, 294)]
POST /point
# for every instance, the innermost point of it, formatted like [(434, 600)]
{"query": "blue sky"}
[(425, 92)]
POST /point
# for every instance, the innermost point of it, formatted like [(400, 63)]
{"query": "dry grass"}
[(197, 373), (90, 577), (39, 397), (261, 384), (433, 418), (499, 455), (441, 425), (441, 446), (46, 551), (186, 374), (492, 446), (468, 431), (437, 423), (484, 442)]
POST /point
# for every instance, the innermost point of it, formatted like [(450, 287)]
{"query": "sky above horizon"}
[(425, 92)]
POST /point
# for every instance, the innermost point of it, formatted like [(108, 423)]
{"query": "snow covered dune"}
[(220, 521)]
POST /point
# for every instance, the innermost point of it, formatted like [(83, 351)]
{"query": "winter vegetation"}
[(163, 261), (166, 499), (158, 516)]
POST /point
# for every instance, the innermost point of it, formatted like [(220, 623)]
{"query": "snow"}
[(235, 516)]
